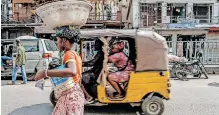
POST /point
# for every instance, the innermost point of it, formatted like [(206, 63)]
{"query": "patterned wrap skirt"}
[(70, 102)]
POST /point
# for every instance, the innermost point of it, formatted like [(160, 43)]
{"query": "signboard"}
[(183, 23)]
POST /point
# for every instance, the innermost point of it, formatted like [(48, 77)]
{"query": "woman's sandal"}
[(23, 82), (11, 83), (117, 96), (89, 100)]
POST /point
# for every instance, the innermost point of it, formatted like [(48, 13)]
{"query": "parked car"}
[(6, 46), (39, 53), (6, 54)]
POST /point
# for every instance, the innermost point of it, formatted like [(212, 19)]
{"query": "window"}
[(176, 12), (50, 45), (30, 45), (200, 10), (202, 13), (150, 14)]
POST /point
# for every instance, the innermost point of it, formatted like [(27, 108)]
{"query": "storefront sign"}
[(182, 23)]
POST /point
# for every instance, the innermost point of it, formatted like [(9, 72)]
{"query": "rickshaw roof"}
[(151, 47), (108, 32)]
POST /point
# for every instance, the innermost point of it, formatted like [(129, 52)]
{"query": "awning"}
[(44, 30)]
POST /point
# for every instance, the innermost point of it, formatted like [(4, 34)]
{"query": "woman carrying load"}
[(70, 97)]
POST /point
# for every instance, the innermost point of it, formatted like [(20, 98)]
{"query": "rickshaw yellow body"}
[(151, 75), (140, 85)]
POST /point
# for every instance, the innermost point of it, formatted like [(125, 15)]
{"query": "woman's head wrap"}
[(114, 41), (69, 33), (117, 46)]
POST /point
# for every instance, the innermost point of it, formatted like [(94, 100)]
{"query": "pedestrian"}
[(70, 97), (19, 63)]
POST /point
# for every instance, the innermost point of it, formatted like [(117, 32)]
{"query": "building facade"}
[(17, 18), (155, 12), (23, 11), (174, 17), (192, 23), (6, 11)]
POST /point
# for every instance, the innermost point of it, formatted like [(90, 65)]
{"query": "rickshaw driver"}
[(89, 77), (121, 61)]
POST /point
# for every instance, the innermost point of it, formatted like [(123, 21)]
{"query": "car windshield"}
[(30, 45), (51, 45)]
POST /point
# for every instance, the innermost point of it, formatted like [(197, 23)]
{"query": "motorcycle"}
[(194, 67)]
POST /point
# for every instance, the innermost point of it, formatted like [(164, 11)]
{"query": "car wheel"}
[(153, 106)]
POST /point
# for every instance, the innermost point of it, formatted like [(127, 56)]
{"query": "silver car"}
[(39, 53)]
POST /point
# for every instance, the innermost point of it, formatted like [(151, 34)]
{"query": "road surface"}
[(193, 97)]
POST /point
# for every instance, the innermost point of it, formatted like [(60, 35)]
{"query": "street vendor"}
[(70, 97)]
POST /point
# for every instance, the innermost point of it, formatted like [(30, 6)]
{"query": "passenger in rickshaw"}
[(89, 77), (124, 65)]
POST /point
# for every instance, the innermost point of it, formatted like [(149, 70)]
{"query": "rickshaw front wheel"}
[(153, 106), (52, 98)]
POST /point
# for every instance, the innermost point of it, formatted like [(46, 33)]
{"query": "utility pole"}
[(135, 11)]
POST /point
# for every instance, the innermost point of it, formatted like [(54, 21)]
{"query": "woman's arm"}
[(70, 71)]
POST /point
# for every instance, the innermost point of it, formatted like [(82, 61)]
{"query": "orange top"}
[(73, 56)]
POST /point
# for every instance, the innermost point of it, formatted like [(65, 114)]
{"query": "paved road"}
[(193, 97)]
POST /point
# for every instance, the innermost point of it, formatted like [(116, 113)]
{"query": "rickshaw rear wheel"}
[(153, 106)]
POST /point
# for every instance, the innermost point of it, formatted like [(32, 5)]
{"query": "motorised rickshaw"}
[(149, 83)]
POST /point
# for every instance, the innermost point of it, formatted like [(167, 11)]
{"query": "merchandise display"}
[(104, 9)]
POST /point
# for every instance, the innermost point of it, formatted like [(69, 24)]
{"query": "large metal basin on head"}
[(62, 13)]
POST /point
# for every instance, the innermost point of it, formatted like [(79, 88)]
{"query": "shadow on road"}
[(214, 84), (47, 108), (38, 109), (118, 109), (18, 82), (186, 79)]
